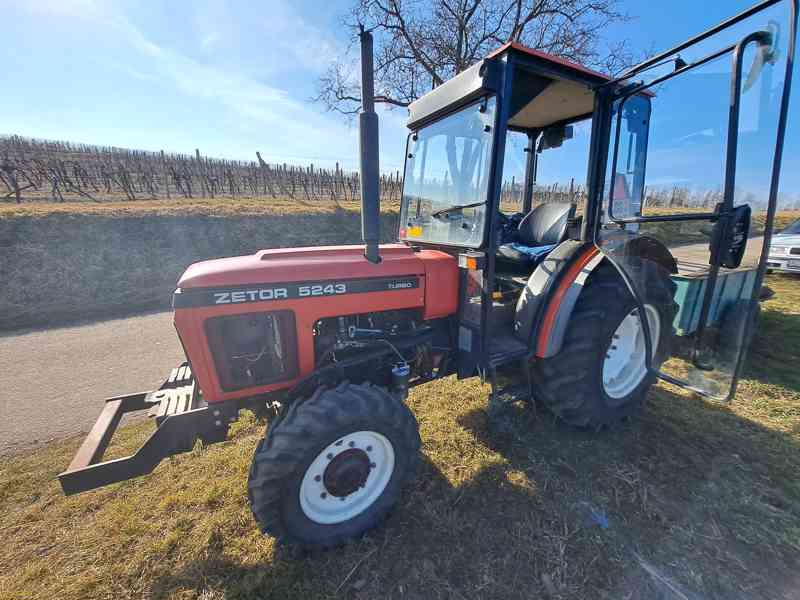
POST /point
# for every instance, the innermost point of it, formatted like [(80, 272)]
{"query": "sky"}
[(235, 77)]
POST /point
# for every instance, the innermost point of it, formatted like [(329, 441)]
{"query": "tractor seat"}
[(539, 232)]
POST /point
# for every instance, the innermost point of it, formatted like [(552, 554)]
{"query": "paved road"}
[(698, 253), (53, 382)]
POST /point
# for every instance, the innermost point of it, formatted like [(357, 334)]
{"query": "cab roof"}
[(546, 89)]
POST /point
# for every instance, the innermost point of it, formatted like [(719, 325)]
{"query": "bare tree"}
[(421, 43)]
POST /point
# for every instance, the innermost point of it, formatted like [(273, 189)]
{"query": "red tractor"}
[(576, 307)]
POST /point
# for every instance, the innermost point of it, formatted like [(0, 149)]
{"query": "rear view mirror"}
[(765, 53), (729, 237), (554, 137)]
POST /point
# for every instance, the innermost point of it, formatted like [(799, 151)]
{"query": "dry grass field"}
[(693, 500), (230, 207), (63, 262)]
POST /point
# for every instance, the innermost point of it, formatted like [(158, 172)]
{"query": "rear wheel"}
[(600, 375), (333, 466)]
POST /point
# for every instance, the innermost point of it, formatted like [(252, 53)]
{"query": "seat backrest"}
[(545, 224)]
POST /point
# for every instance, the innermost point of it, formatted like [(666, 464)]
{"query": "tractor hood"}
[(292, 274), (287, 265)]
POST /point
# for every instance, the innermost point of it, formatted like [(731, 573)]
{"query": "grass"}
[(68, 262), (694, 499), (220, 207)]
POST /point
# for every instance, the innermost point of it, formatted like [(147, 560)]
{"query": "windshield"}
[(793, 229), (447, 176)]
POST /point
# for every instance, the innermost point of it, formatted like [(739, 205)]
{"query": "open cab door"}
[(690, 188)]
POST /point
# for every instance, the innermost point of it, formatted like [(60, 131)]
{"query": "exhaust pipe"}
[(368, 154)]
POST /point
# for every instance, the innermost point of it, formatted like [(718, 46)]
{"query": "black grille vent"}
[(794, 250)]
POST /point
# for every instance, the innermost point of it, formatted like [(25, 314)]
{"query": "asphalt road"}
[(53, 382), (698, 253)]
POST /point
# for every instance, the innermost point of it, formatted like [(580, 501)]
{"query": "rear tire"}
[(573, 384), (333, 465)]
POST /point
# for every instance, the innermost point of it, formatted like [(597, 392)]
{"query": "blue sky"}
[(230, 77)]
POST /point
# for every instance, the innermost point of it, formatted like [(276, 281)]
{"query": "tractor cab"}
[(454, 161), (454, 196)]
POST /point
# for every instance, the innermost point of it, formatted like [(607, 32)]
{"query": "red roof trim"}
[(548, 57)]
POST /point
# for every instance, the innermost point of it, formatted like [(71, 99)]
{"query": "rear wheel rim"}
[(624, 366), (347, 477)]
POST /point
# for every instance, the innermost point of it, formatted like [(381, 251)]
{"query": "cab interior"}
[(448, 171)]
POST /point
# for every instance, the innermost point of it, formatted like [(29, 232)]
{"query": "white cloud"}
[(297, 41), (703, 133), (250, 110)]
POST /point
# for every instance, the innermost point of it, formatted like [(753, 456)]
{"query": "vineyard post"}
[(200, 172), (164, 174)]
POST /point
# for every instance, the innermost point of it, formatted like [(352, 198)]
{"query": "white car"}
[(784, 251)]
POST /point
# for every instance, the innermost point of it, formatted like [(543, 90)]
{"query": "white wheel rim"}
[(323, 506), (625, 366)]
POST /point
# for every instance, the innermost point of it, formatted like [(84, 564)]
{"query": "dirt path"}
[(53, 382)]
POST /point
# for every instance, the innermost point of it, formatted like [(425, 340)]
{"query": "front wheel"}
[(333, 466), (600, 376)]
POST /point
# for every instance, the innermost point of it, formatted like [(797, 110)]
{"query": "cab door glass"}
[(447, 177), (698, 155)]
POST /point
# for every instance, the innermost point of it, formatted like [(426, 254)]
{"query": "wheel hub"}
[(347, 477), (347, 472), (625, 365)]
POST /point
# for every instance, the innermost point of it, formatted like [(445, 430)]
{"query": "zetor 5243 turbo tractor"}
[(577, 307)]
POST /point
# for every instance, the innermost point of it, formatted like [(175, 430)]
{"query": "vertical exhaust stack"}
[(368, 154)]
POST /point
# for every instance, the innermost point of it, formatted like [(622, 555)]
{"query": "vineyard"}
[(63, 171), (58, 171)]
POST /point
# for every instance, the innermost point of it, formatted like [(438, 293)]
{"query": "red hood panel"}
[(301, 264)]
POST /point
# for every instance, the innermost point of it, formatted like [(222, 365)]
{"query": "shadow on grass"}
[(690, 499), (691, 486)]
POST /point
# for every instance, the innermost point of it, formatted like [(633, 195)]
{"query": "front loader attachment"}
[(181, 417)]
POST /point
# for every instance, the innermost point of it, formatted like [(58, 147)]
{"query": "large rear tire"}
[(333, 465), (600, 376)]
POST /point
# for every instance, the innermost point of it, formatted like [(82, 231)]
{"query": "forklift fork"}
[(181, 417)]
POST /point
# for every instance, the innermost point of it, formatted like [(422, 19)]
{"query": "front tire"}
[(600, 376), (333, 466)]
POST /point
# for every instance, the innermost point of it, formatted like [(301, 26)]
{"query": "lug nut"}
[(339, 443), (351, 444), (369, 448), (371, 465), (323, 495), (330, 456), (317, 478)]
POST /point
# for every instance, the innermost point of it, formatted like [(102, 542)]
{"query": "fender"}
[(648, 247), (548, 300)]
